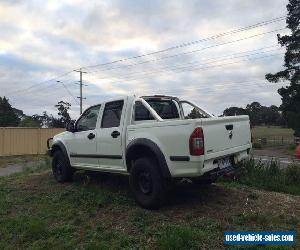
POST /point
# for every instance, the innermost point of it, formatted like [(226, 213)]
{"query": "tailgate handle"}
[(229, 127)]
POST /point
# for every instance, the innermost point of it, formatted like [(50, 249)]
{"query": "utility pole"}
[(80, 84)]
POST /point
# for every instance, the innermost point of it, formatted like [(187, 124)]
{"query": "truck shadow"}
[(183, 194)]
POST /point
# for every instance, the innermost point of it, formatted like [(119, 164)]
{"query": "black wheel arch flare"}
[(132, 149), (58, 145)]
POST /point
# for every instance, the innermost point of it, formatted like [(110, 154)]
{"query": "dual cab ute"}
[(153, 139)]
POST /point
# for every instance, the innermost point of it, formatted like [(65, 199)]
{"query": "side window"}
[(190, 112), (89, 119), (141, 113), (112, 114)]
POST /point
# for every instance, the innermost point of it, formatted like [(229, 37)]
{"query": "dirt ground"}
[(278, 152)]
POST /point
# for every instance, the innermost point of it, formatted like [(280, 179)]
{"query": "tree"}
[(253, 111), (63, 112), (233, 111), (194, 114), (8, 116), (29, 121), (290, 95), (258, 114), (47, 121)]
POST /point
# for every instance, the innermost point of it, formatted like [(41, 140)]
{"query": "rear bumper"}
[(206, 166)]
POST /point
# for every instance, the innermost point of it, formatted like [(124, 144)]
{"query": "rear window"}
[(141, 113), (166, 109)]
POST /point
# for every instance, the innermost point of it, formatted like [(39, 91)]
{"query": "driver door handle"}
[(115, 134), (91, 136)]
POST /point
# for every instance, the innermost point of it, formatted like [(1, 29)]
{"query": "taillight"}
[(197, 142)]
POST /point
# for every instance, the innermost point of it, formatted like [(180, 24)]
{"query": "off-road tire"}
[(61, 168), (147, 184)]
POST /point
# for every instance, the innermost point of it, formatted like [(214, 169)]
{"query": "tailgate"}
[(226, 134)]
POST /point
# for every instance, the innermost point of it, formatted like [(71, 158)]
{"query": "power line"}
[(225, 88), (187, 68), (260, 24), (263, 23), (201, 49), (199, 68), (34, 85), (40, 88), (69, 92), (207, 60)]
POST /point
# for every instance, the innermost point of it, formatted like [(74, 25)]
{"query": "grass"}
[(99, 213), (262, 131), (268, 176)]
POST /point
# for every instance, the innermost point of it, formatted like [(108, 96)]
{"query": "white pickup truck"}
[(154, 139)]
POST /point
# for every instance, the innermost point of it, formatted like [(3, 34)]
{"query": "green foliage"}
[(63, 112), (180, 237), (29, 121), (12, 117), (194, 114), (292, 147), (48, 120), (269, 176), (290, 95), (8, 116), (258, 114)]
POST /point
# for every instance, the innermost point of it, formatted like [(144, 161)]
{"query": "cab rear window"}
[(166, 109), (141, 113)]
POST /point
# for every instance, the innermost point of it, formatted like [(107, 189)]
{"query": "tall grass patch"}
[(268, 176)]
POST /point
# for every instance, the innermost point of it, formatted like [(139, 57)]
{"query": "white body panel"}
[(171, 136)]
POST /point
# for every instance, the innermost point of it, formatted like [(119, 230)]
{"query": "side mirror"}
[(71, 127)]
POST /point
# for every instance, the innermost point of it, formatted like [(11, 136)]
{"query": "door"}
[(109, 140), (83, 144)]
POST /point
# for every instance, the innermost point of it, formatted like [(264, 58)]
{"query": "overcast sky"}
[(40, 40)]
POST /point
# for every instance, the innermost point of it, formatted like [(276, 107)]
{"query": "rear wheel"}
[(61, 169), (147, 184)]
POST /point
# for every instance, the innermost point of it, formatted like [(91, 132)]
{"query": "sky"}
[(218, 56)]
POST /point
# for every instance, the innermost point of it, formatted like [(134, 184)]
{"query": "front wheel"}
[(147, 184), (61, 169)]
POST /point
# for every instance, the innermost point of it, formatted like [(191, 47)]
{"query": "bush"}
[(292, 147), (293, 174)]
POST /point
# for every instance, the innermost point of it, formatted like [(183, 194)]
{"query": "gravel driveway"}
[(19, 167)]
